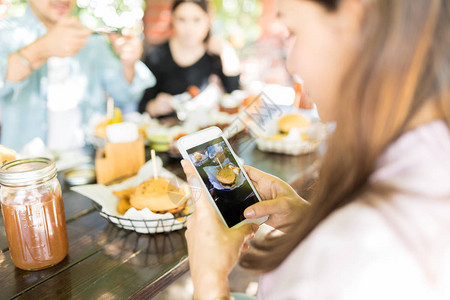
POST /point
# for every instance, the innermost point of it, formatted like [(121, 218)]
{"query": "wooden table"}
[(105, 262)]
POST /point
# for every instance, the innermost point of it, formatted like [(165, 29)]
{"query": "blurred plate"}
[(80, 176)]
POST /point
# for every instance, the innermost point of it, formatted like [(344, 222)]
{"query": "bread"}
[(278, 136), (287, 122), (159, 196), (6, 154), (226, 176), (100, 129)]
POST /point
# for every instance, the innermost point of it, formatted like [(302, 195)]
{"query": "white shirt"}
[(381, 247), (65, 92)]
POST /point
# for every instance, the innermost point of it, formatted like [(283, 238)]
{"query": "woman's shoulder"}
[(417, 163), (353, 254), (392, 241), (360, 252)]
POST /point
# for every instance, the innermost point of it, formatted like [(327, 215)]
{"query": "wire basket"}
[(163, 225)]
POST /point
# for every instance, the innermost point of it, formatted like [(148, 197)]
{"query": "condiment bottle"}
[(33, 213), (301, 99), (229, 104)]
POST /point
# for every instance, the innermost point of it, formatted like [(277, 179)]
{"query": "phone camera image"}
[(223, 178)]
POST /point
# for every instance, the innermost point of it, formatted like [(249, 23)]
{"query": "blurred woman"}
[(188, 59), (377, 226)]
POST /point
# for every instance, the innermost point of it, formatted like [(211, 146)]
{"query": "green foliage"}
[(92, 13), (12, 7), (111, 13), (237, 20)]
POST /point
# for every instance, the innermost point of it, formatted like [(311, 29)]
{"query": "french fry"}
[(124, 194)]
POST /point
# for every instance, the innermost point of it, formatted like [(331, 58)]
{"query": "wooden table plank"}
[(162, 282), (84, 235), (129, 262)]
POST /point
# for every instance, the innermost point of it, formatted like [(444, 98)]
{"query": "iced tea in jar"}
[(33, 213)]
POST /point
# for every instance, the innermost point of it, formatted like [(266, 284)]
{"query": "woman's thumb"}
[(260, 209)]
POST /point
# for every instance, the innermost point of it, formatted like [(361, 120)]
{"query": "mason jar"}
[(33, 213)]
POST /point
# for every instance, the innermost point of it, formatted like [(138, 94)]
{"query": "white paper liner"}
[(142, 221)]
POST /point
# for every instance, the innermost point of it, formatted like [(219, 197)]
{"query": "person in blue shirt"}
[(55, 75)]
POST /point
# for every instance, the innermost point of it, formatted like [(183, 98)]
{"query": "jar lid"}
[(27, 171)]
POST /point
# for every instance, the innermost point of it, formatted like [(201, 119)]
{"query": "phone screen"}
[(224, 180)]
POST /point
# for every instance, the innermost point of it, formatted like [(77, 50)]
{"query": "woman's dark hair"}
[(202, 3), (330, 4)]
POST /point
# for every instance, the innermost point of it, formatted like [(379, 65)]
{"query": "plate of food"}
[(143, 203), (199, 158), (225, 176), (292, 134)]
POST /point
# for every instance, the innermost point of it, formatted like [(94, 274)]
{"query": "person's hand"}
[(213, 248), (128, 46), (66, 38), (6, 154), (283, 205), (160, 106), (227, 54), (216, 45)]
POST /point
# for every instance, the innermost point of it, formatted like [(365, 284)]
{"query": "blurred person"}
[(188, 59), (377, 224), (54, 74)]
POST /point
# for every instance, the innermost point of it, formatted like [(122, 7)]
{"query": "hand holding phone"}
[(225, 181), (213, 248), (279, 201)]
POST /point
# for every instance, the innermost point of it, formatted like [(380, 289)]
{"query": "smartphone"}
[(228, 187)]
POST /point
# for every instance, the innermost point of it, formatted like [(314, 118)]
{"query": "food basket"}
[(297, 142), (141, 221), (286, 147), (163, 225)]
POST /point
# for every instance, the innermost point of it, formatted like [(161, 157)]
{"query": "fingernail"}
[(249, 213), (183, 163)]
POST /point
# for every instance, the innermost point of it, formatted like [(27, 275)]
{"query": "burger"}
[(159, 196), (6, 154), (290, 121), (226, 176)]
